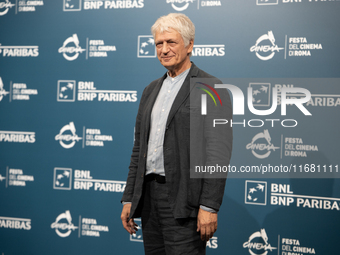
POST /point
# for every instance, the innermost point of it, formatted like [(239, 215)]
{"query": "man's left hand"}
[(206, 224)]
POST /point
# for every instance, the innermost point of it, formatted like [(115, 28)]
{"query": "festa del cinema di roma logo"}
[(67, 136), (261, 51), (63, 224), (71, 48), (5, 5), (253, 145), (179, 5), (258, 242)]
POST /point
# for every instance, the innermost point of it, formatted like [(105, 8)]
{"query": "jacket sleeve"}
[(218, 147), (130, 183)]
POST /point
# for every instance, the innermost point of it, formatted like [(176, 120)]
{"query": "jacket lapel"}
[(183, 93), (150, 102)]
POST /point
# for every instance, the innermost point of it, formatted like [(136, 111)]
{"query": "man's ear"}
[(190, 46)]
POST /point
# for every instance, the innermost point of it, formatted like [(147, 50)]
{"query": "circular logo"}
[(71, 53), (267, 146), (63, 229), (67, 140)]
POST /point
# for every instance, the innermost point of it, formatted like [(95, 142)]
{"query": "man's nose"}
[(165, 48)]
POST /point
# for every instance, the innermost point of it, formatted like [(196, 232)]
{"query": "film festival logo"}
[(66, 91), (258, 244), (71, 48), (63, 224), (67, 136), (3, 92), (72, 5), (179, 5), (4, 7), (62, 178), (256, 193), (265, 47), (266, 145), (146, 47)]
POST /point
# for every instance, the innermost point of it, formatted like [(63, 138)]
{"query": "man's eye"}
[(159, 45)]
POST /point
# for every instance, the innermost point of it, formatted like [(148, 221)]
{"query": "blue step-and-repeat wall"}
[(72, 73)]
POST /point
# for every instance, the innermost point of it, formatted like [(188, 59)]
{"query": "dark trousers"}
[(162, 233)]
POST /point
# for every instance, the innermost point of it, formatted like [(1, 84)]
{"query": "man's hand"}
[(206, 224), (129, 225)]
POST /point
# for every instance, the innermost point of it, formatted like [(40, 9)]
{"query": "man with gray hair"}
[(179, 213)]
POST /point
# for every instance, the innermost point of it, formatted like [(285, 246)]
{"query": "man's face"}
[(171, 51)]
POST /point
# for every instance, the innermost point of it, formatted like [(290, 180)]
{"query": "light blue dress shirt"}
[(159, 116)]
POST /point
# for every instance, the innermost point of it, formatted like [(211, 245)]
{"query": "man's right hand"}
[(129, 225)]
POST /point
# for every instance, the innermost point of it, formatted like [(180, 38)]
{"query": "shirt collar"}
[(172, 79)]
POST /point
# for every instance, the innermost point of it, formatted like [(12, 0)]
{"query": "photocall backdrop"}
[(71, 78)]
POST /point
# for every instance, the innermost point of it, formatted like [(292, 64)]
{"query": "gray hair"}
[(177, 21)]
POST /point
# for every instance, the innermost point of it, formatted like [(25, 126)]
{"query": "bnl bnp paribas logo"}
[(76, 5), (255, 192), (146, 47)]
